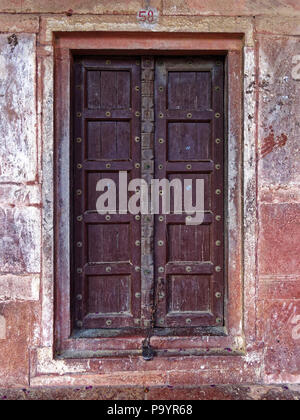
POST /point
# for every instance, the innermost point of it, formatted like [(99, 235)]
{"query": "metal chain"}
[(147, 351)]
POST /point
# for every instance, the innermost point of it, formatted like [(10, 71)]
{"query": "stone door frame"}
[(58, 38)]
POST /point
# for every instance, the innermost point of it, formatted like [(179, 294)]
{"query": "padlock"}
[(147, 352)]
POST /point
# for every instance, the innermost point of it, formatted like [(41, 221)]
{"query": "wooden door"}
[(189, 271)]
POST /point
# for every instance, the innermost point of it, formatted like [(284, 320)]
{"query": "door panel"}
[(108, 295), (108, 89), (108, 140), (108, 242), (189, 89), (188, 243), (181, 301), (105, 246), (189, 141), (189, 144)]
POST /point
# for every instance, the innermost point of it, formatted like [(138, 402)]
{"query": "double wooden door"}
[(151, 118)]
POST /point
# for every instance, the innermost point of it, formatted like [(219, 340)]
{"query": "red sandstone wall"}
[(274, 354)]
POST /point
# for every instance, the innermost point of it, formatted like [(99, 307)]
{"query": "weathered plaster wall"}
[(271, 150), (279, 210)]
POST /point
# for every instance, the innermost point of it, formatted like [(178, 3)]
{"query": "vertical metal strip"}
[(161, 162), (147, 161), (135, 172), (218, 193), (78, 195)]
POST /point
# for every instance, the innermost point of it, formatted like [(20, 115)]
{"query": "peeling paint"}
[(18, 152), (19, 288), (13, 42), (47, 365), (272, 142)]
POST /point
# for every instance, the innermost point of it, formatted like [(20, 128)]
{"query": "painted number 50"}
[(146, 16)]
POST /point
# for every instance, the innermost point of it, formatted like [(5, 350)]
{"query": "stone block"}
[(278, 25), (19, 288), (279, 117), (227, 7), (15, 23), (88, 393), (224, 393), (20, 240), (279, 251), (86, 7), (11, 6), (276, 194), (280, 331), (14, 348), (18, 150), (20, 195)]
